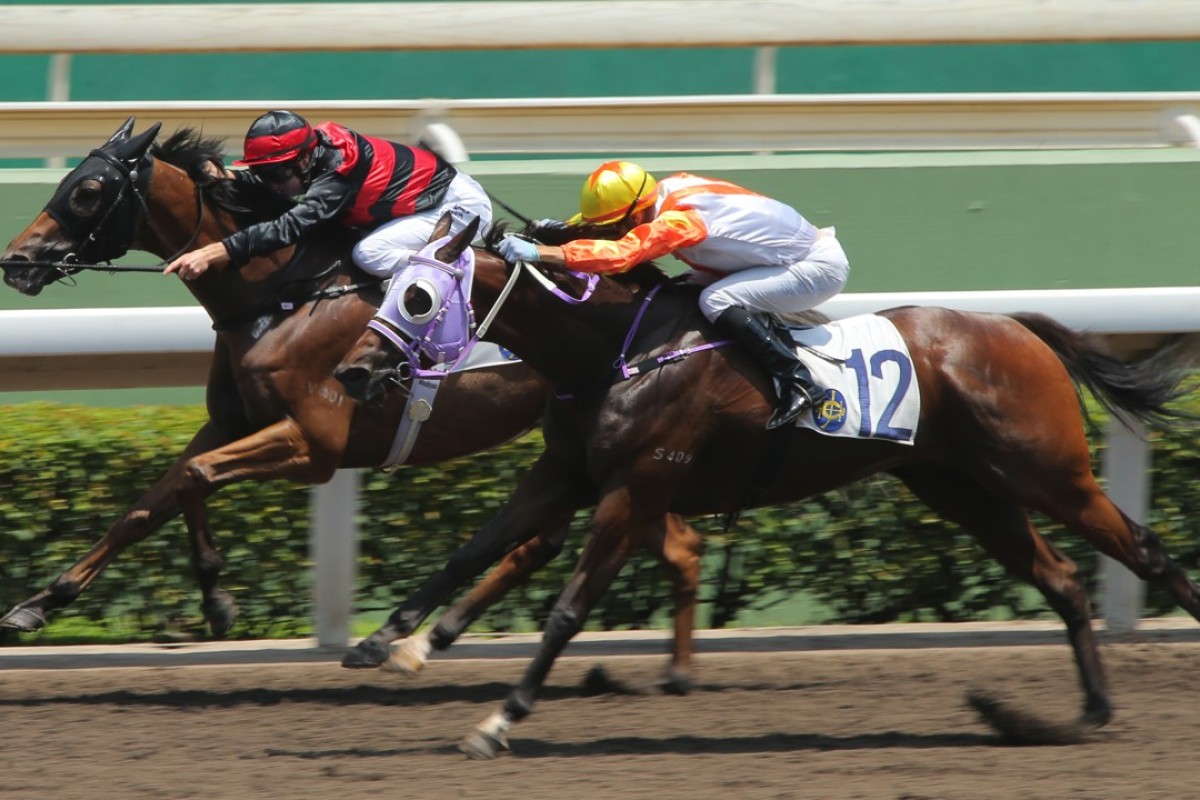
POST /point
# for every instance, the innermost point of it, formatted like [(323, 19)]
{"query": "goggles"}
[(275, 173)]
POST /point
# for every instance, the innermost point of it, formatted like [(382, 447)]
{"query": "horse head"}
[(91, 217), (426, 317)]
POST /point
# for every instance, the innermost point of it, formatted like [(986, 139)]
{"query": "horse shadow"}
[(413, 695), (759, 744)]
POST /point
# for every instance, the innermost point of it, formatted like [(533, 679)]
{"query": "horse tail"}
[(1142, 389)]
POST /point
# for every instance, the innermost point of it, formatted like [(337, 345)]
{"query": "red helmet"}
[(275, 137)]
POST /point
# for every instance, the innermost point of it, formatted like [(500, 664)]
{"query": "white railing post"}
[(1126, 470), (58, 90), (334, 548), (1188, 123), (764, 70)]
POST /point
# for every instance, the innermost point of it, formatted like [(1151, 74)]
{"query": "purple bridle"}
[(441, 329)]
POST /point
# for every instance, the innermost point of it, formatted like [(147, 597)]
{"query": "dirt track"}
[(879, 724)]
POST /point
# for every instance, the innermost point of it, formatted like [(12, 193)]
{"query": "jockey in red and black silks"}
[(393, 192), (393, 180)]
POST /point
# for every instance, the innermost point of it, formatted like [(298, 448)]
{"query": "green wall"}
[(951, 221), (1105, 66)]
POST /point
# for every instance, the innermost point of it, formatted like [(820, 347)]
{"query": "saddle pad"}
[(870, 387), (485, 354)]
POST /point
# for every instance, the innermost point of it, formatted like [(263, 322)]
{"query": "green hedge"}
[(869, 552)]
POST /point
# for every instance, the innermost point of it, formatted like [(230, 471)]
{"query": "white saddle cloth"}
[(870, 387)]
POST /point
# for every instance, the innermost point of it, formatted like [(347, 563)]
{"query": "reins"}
[(622, 365), (79, 266), (592, 281)]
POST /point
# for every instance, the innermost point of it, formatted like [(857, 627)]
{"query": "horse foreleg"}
[(279, 451), (217, 605), (1003, 528), (411, 655), (610, 541), (149, 513), (544, 502), (679, 548)]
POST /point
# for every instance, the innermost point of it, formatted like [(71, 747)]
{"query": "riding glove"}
[(514, 249)]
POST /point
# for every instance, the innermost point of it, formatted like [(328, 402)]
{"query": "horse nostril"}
[(355, 379)]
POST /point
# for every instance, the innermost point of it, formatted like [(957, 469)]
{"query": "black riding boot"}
[(770, 345)]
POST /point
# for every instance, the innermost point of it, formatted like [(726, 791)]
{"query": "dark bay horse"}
[(1001, 433), (282, 324)]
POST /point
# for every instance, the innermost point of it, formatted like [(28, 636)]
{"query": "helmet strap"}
[(637, 198)]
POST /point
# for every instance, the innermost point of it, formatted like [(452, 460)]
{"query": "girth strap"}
[(417, 409), (778, 444), (646, 365)]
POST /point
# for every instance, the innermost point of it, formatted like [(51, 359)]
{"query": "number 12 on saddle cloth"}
[(871, 390)]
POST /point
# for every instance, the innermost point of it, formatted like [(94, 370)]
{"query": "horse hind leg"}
[(680, 547), (1098, 519), (1002, 527), (1066, 490)]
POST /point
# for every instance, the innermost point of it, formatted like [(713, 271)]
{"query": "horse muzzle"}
[(28, 280), (355, 379), (371, 386)]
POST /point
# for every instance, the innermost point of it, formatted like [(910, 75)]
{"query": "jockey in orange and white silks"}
[(751, 250), (758, 256)]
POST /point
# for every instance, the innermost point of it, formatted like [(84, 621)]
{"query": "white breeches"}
[(782, 289), (387, 249)]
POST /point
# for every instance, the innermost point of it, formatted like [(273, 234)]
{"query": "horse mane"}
[(187, 149), (644, 275), (196, 154)]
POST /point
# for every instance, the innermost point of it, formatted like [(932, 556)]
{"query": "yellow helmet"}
[(608, 193)]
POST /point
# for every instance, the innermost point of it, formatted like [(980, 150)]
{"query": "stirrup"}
[(784, 416)]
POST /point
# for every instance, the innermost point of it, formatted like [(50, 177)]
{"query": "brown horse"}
[(282, 323), (1000, 433)]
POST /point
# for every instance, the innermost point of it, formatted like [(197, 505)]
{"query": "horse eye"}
[(85, 198), (417, 301)]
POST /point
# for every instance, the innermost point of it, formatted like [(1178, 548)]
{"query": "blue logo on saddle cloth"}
[(870, 388), (830, 414)]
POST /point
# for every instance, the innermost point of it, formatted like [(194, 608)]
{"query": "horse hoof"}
[(27, 619), (408, 658), (676, 683), (481, 746), (367, 654), (1096, 718), (221, 612)]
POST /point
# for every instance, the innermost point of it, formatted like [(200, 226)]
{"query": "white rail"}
[(34, 344), (1124, 314), (703, 123), (572, 25)]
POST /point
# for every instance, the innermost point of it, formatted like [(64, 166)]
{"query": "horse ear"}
[(122, 133), (451, 250), (442, 228), (135, 148)]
